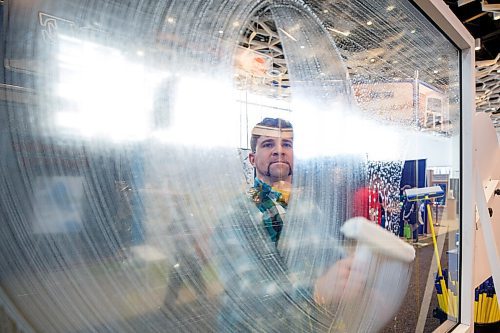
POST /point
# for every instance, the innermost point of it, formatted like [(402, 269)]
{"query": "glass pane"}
[(228, 166)]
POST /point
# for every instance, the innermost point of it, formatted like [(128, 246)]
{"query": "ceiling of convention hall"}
[(482, 19), (372, 45)]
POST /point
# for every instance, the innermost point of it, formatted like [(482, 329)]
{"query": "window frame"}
[(444, 19)]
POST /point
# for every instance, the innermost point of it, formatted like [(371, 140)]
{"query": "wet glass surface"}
[(128, 199)]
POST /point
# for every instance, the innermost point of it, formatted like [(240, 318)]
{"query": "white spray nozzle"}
[(378, 239)]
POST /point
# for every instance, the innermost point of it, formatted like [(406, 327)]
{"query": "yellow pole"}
[(480, 311), (496, 313), (476, 310), (489, 308), (486, 304), (436, 253)]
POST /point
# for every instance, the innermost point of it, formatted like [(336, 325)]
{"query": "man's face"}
[(273, 159)]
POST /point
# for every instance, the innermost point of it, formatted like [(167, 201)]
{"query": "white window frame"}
[(441, 15)]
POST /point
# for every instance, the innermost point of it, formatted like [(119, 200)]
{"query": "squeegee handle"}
[(434, 242), (438, 260)]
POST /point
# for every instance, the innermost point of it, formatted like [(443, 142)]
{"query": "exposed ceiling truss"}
[(262, 37), (482, 20), (488, 88), (372, 59)]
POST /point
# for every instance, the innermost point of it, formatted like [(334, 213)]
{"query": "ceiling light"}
[(395, 62), (325, 11), (170, 20), (372, 60), (221, 31), (477, 44), (498, 70), (436, 71), (236, 24), (140, 53), (302, 46), (389, 8), (369, 23), (413, 31)]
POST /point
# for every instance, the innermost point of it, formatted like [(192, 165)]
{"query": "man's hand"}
[(342, 281)]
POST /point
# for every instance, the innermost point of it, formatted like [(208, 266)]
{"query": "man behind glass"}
[(261, 293)]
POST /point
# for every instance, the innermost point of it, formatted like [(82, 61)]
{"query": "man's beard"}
[(290, 171)]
